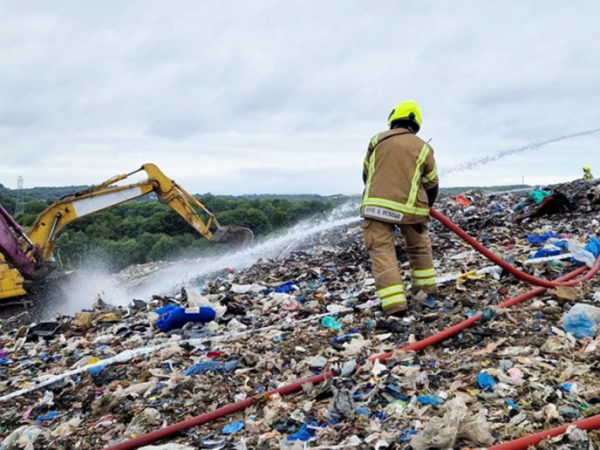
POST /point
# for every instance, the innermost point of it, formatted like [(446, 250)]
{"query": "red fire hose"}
[(455, 329), (499, 261), (591, 423), (296, 386)]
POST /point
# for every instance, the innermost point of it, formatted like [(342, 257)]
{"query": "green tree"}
[(144, 230), (34, 207), (8, 202), (73, 247), (101, 230), (121, 254), (162, 249), (279, 219), (251, 218)]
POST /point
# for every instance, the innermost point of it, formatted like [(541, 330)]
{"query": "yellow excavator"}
[(26, 257)]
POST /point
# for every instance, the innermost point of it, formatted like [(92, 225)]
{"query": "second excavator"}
[(26, 257)]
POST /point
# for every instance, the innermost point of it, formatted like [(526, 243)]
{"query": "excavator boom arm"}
[(45, 229), (28, 255)]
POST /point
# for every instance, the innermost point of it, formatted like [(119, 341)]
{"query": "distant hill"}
[(294, 198), (50, 194)]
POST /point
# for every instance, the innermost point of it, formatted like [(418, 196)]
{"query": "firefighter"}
[(401, 183), (587, 173)]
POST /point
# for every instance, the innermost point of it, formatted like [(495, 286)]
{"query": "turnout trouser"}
[(379, 239)]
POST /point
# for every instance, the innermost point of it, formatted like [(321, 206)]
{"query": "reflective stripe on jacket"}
[(397, 170)]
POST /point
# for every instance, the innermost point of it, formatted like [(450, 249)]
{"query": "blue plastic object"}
[(540, 239), (430, 400), (512, 404), (97, 369), (286, 288), (397, 393), (48, 416), (233, 427), (580, 324), (178, 317), (303, 434), (593, 247), (486, 381), (569, 412), (210, 366), (362, 411), (543, 253), (430, 302), (166, 309), (407, 435), (332, 420)]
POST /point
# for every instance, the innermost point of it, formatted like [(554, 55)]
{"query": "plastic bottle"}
[(178, 317)]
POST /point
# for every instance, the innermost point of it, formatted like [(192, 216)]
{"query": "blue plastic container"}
[(166, 309), (178, 317)]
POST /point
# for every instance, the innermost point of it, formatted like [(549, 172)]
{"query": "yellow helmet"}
[(587, 168), (409, 111)]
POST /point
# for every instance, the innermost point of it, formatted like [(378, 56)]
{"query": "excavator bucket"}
[(233, 235)]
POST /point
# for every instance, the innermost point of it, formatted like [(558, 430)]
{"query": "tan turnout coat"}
[(397, 170)]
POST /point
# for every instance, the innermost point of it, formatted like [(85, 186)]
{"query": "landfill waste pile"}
[(111, 374)]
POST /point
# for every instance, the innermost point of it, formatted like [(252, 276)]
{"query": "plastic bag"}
[(66, 428), (476, 430), (233, 428), (342, 404), (286, 288), (582, 321), (331, 323), (442, 432), (538, 196), (486, 381), (247, 288), (580, 253), (210, 366), (593, 247), (430, 400), (196, 299), (540, 239)]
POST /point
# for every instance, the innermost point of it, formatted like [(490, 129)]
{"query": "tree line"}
[(143, 231)]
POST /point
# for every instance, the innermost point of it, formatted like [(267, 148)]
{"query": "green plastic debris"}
[(331, 323)]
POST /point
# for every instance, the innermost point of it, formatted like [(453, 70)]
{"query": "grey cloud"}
[(175, 127)]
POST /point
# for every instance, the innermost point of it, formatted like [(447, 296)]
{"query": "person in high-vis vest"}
[(401, 183), (587, 173)]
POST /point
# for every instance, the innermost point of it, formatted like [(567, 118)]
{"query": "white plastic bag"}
[(579, 252)]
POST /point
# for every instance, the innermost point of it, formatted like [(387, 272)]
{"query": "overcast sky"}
[(273, 96)]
